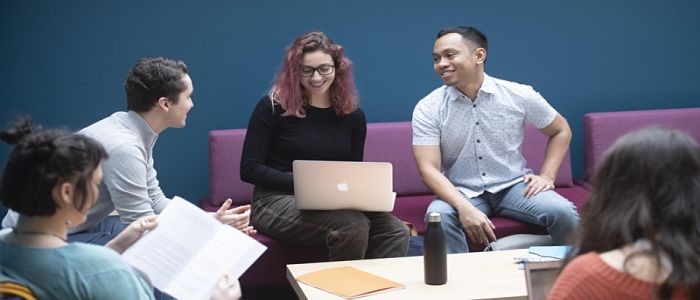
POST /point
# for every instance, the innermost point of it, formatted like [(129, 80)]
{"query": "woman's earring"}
[(68, 222)]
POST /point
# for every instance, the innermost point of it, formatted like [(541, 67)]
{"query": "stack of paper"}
[(544, 253), (189, 250), (348, 282), (556, 252)]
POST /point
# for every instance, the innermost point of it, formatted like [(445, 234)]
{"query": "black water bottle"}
[(434, 254)]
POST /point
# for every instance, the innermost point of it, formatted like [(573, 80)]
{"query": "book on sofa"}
[(189, 250)]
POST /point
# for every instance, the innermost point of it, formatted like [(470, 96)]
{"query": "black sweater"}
[(273, 142)]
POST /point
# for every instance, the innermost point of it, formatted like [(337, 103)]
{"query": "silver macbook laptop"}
[(335, 185), (540, 277)]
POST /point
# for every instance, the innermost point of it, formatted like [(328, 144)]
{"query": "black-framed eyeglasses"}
[(324, 69)]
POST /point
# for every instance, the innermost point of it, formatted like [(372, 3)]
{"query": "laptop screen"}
[(540, 277)]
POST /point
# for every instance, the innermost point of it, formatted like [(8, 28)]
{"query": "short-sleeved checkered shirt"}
[(480, 141)]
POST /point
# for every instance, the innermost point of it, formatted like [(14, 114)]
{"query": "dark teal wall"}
[(64, 62)]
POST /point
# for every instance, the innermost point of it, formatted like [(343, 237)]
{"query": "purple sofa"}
[(601, 129), (389, 142)]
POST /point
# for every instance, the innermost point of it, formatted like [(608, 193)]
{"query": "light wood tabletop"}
[(479, 275)]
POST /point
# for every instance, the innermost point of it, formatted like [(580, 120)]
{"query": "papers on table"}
[(189, 250), (544, 253), (555, 252)]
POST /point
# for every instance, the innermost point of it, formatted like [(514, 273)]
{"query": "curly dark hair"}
[(43, 159)]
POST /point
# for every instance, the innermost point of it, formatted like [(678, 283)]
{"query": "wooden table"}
[(479, 275)]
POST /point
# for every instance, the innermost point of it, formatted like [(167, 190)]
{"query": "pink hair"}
[(287, 90)]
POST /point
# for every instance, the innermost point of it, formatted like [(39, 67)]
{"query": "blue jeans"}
[(101, 233), (547, 209)]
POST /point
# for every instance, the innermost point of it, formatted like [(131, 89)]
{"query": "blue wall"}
[(64, 62)]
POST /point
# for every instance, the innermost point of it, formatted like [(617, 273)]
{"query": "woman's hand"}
[(227, 289), (132, 233)]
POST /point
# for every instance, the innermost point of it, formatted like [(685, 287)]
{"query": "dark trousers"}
[(347, 234)]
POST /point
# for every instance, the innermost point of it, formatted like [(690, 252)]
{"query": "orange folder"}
[(348, 282)]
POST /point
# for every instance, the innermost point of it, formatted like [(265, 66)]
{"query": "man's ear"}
[(163, 104), (480, 55)]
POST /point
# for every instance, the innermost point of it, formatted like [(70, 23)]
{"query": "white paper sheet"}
[(189, 250)]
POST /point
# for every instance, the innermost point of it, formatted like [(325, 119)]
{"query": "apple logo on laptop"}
[(343, 186)]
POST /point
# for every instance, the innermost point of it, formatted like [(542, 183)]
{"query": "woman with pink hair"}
[(312, 113)]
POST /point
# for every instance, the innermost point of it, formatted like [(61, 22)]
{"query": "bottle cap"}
[(434, 217)]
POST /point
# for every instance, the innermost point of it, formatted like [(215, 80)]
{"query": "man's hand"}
[(237, 217), (475, 223), (537, 184), (132, 233), (477, 226)]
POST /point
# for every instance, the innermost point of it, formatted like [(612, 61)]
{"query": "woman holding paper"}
[(640, 236), (312, 113), (51, 180)]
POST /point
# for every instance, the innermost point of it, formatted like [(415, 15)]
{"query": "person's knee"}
[(564, 220), (401, 232), (352, 238), (389, 227), (396, 240), (569, 216), (448, 217), (564, 212), (352, 225), (443, 208), (346, 236), (555, 206), (565, 208)]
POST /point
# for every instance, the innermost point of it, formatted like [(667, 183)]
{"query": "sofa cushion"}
[(391, 142), (225, 148), (601, 129), (412, 209), (534, 148), (576, 194)]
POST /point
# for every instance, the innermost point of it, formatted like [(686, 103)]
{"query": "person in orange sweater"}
[(640, 232)]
